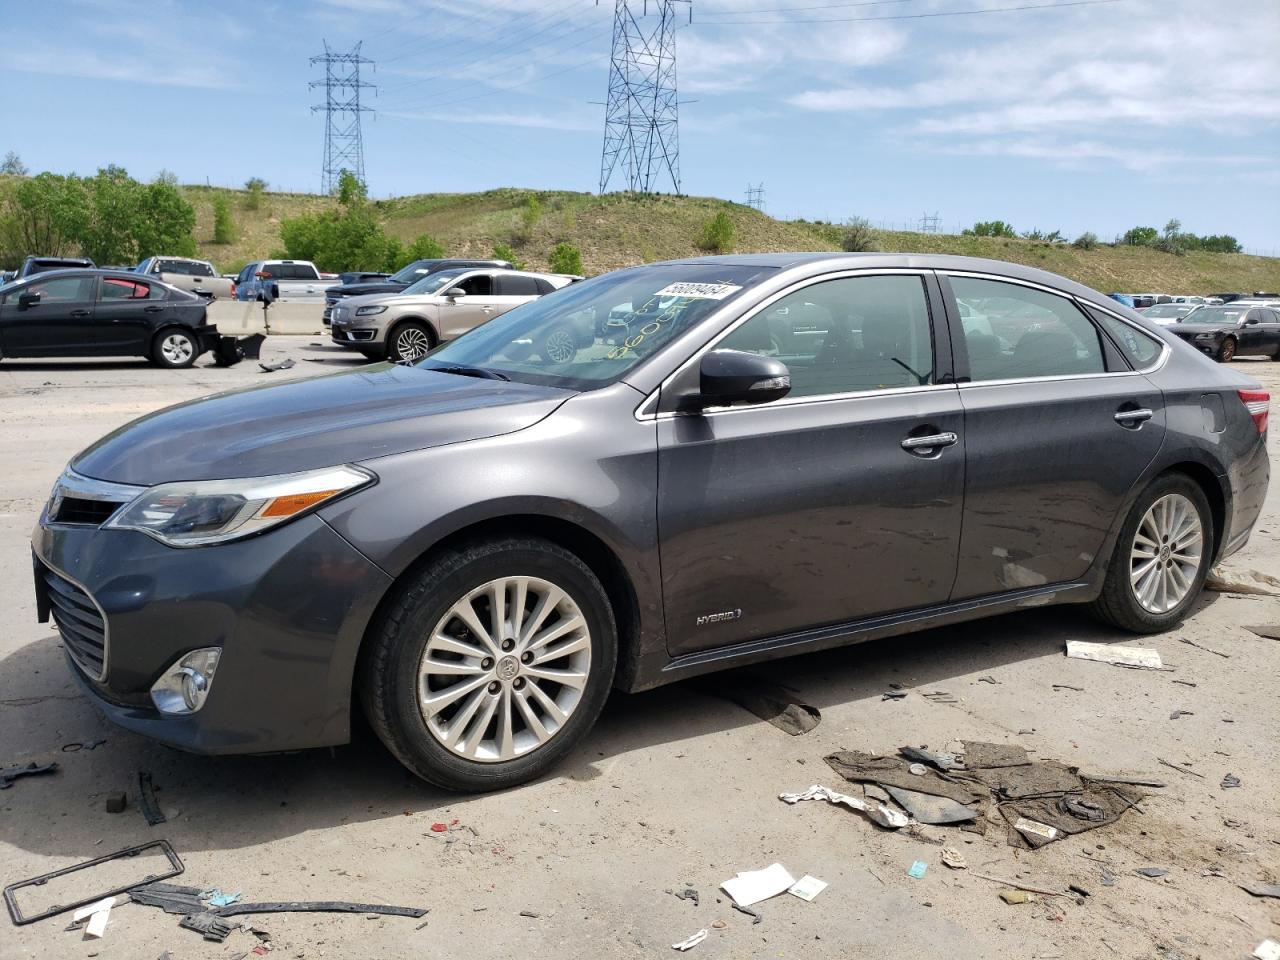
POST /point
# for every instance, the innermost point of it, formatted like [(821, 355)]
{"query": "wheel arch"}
[(153, 342), (412, 318), (1214, 492)]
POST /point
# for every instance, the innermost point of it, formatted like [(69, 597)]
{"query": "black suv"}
[(33, 265), (401, 279)]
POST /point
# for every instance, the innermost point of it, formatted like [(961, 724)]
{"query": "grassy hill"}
[(620, 229)]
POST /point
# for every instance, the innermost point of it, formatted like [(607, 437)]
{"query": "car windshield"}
[(1230, 315), (592, 333), (412, 272), (1170, 310), (434, 282)]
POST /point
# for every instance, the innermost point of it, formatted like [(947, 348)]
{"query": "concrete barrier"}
[(238, 318)]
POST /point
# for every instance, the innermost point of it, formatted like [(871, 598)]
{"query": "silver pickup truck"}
[(197, 276), (292, 280)]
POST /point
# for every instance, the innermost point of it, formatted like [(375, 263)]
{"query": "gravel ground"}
[(674, 787)]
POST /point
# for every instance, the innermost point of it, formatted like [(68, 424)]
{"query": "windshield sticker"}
[(699, 291)]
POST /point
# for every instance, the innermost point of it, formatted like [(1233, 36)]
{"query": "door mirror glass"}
[(453, 293), (28, 300), (732, 376)]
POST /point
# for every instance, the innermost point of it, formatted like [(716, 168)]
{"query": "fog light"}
[(184, 687)]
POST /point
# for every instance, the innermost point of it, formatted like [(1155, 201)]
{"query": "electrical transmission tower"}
[(929, 224), (343, 144), (641, 118), (755, 196)]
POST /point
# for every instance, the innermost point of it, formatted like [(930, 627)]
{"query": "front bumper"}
[(288, 608), (355, 338)]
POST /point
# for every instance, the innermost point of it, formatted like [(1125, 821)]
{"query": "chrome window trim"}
[(1161, 358), (106, 626), (1079, 303), (651, 400)]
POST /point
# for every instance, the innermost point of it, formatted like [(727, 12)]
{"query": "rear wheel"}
[(1161, 558), (408, 342), (491, 664), (174, 348), (1227, 352)]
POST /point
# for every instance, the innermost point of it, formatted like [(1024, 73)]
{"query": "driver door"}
[(480, 304), (58, 324)]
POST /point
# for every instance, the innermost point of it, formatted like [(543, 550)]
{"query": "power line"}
[(434, 45), (923, 16), (641, 117), (343, 142), (824, 6)]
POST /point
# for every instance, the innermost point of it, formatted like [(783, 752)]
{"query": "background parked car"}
[(359, 276), (439, 307), (33, 265), (197, 276), (1232, 330), (400, 281), (102, 313), (1166, 314), (293, 280)]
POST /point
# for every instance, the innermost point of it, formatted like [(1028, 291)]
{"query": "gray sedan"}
[(756, 457)]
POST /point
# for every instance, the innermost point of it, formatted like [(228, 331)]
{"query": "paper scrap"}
[(884, 815), (1143, 657), (807, 887), (1267, 950), (690, 942), (953, 858), (98, 914), (754, 886), (1034, 827), (1017, 896), (917, 870)]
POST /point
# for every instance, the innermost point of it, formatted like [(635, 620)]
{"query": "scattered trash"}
[(690, 942), (719, 925), (992, 680), (1076, 888), (754, 886), (116, 801), (216, 898), (97, 914), (1017, 884), (1229, 781), (530, 914), (285, 364), (894, 695), (1017, 896), (169, 897), (1186, 683), (1268, 631), (1081, 808), (1261, 889), (1267, 950), (77, 746), (940, 696), (879, 812), (1108, 878), (939, 761), (1066, 686), (755, 915), (1180, 713), (147, 799), (30, 770), (953, 858), (1245, 581), (1031, 828), (917, 870), (209, 925), (1174, 766), (929, 809), (1199, 646), (771, 702), (688, 893), (979, 754), (807, 887), (1142, 658), (1152, 872), (917, 769), (439, 828), (19, 919)]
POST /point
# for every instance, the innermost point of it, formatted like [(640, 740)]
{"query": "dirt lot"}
[(675, 787)]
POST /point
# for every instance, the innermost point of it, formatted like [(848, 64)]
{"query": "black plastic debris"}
[(776, 704), (147, 802), (116, 801), (1261, 889), (170, 897), (1152, 872), (209, 925), (894, 695), (939, 761), (77, 746), (1229, 781), (755, 915), (30, 770), (1180, 713), (929, 809), (285, 364)]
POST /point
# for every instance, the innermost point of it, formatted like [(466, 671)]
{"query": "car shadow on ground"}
[(218, 803)]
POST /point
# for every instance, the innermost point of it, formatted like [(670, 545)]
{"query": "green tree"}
[(717, 234), (990, 228), (349, 238), (1220, 243), (13, 165), (1140, 236), (566, 258), (351, 189), (165, 223), (1086, 241), (224, 228), (46, 214), (256, 187), (503, 251), (857, 236), (424, 247)]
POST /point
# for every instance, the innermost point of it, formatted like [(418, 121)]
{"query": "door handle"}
[(152, 309), (1126, 417), (930, 443), (80, 313)]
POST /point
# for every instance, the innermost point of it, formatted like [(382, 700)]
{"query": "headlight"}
[(368, 311), (213, 511)]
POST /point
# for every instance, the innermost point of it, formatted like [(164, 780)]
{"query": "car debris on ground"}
[(884, 815), (285, 364), (1267, 950), (1268, 631), (690, 942), (1140, 658), (32, 769), (147, 802), (97, 914), (754, 886), (807, 887), (776, 704), (1247, 582)]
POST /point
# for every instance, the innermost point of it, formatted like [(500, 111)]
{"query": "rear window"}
[(114, 288)]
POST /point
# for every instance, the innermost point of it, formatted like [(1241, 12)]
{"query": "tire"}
[(174, 348), (559, 345), (1227, 350), (377, 356), (409, 342), (1119, 603), (395, 666)]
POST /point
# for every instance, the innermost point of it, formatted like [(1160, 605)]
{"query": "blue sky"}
[(1087, 117)]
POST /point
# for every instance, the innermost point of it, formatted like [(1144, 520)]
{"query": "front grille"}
[(80, 623), (80, 510)]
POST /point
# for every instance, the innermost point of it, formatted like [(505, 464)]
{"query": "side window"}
[(63, 289), (113, 288), (1015, 332), (516, 286), (481, 285), (1140, 348), (544, 286), (846, 335)]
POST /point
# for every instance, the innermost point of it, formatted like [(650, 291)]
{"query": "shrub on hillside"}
[(224, 228), (857, 236), (530, 214), (349, 238), (566, 258), (1086, 241), (256, 187), (503, 251), (1140, 236), (989, 228), (717, 234), (425, 247)]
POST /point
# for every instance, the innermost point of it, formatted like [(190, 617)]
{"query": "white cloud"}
[(539, 121)]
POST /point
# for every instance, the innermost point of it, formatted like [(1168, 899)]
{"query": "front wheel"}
[(1227, 352), (491, 664), (174, 349), (409, 342), (1161, 558)]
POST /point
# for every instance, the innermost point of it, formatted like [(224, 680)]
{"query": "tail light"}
[(1258, 403)]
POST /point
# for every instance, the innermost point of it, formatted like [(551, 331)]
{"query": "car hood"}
[(1200, 328), (360, 289), (347, 417)]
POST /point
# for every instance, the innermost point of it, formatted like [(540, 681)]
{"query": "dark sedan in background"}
[(103, 313), (1229, 331), (479, 546)]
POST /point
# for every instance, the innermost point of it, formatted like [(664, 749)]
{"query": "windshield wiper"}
[(478, 372)]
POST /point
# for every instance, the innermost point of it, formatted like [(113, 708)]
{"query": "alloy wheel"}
[(176, 348), (412, 343), (1228, 350), (504, 669), (1166, 552)]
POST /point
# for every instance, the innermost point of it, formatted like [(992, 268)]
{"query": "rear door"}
[(513, 289), (1058, 428), (127, 313), (827, 506), (1255, 334), (1271, 331), (59, 323)]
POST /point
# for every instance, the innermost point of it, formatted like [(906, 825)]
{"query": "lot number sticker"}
[(699, 291)]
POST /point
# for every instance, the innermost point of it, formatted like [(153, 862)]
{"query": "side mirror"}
[(454, 293), (27, 300), (1251, 321), (731, 376)]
